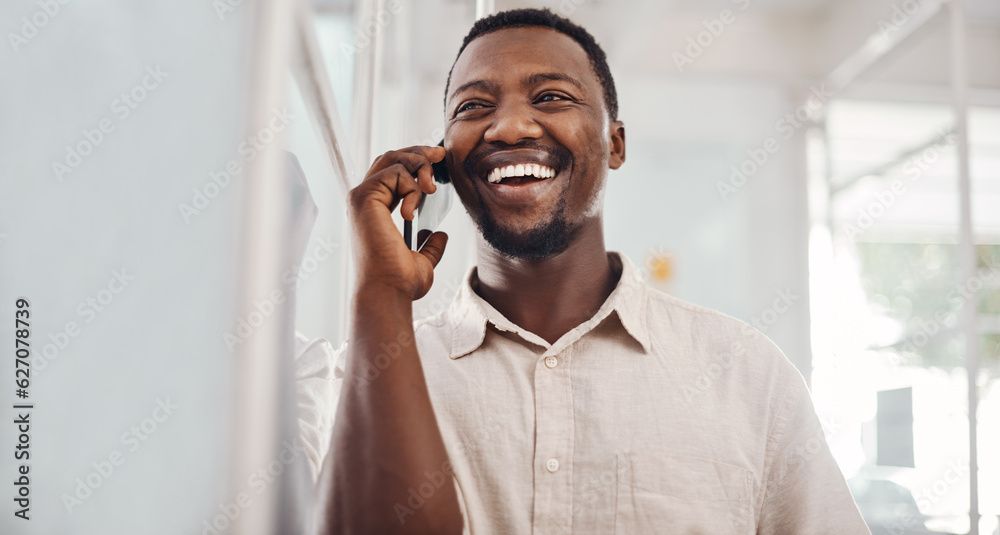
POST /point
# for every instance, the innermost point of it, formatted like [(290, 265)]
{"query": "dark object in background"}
[(894, 428)]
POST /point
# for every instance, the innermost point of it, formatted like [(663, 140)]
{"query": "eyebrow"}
[(551, 77), (484, 85), (492, 87)]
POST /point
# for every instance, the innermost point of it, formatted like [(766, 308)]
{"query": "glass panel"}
[(335, 34), (126, 251), (319, 275)]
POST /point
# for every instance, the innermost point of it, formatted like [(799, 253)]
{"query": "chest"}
[(605, 440)]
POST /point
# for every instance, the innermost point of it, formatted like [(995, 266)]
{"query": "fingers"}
[(434, 154), (390, 178), (417, 161), (387, 187), (433, 250)]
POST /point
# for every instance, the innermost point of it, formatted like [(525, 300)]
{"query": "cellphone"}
[(432, 208)]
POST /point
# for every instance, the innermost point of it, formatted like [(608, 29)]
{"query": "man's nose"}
[(512, 124)]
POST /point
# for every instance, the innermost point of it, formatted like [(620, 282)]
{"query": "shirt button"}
[(552, 464), (551, 362)]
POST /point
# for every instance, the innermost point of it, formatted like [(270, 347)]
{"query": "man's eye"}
[(469, 106), (551, 97)]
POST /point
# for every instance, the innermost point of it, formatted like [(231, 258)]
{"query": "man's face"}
[(521, 98)]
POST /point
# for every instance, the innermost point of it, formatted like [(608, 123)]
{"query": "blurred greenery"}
[(919, 285)]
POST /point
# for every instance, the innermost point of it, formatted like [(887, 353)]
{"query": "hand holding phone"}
[(383, 261), (433, 208)]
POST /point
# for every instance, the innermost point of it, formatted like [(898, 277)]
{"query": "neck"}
[(551, 296)]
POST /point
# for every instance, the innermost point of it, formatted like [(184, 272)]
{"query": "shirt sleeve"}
[(318, 373), (804, 489)]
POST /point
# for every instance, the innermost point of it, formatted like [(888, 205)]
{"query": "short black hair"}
[(519, 18)]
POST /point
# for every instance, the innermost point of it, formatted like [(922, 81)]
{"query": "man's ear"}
[(617, 156)]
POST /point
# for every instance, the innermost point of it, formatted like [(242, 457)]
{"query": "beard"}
[(542, 241)]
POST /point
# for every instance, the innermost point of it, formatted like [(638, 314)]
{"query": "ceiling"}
[(789, 40), (792, 42)]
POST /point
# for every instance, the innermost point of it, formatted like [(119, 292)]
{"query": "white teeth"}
[(526, 169)]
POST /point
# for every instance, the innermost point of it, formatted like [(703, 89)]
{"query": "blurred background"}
[(828, 171)]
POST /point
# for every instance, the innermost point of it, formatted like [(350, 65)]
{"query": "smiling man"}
[(557, 394)]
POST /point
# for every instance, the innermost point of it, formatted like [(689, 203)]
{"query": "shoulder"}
[(433, 322), (714, 337), (434, 333), (318, 366), (667, 315), (316, 358)]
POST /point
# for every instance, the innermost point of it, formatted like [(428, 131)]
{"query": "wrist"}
[(383, 292)]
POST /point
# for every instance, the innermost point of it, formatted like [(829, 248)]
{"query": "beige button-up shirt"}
[(653, 416)]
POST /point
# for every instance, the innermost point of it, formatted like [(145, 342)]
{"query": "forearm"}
[(385, 435)]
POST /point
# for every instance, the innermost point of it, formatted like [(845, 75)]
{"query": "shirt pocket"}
[(660, 493)]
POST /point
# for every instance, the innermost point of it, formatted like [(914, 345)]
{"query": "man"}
[(558, 394)]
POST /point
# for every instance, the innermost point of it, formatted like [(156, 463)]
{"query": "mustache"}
[(560, 155)]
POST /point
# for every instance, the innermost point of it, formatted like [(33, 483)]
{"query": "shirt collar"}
[(470, 313)]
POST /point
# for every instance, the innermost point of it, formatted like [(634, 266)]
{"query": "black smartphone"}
[(432, 208)]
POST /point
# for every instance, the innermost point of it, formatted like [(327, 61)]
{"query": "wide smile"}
[(507, 187), (520, 176)]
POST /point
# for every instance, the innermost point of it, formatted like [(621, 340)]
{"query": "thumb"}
[(433, 250)]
